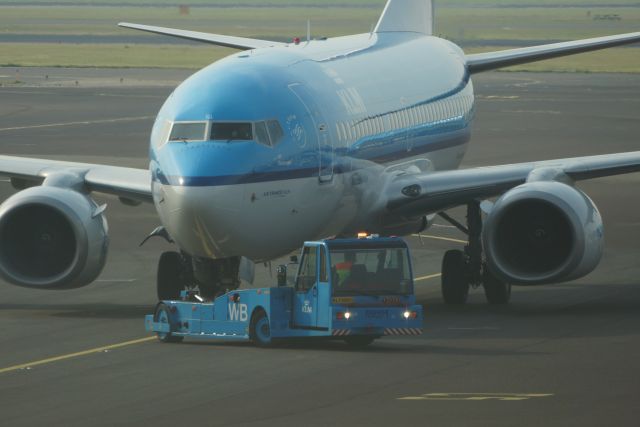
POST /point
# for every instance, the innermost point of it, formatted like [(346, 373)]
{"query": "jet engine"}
[(543, 232), (52, 238)]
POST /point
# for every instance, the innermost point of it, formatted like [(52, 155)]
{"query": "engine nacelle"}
[(543, 232), (51, 238)]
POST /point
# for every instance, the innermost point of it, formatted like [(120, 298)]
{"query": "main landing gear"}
[(466, 269)]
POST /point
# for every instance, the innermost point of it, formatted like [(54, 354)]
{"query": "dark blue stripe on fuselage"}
[(342, 165)]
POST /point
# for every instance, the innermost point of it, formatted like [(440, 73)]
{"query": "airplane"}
[(286, 142)]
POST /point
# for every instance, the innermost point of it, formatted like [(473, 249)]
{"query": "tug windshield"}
[(380, 271)]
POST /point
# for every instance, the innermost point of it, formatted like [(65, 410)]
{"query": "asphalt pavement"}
[(558, 355)]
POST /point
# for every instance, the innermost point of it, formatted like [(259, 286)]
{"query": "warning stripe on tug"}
[(403, 331), (341, 332)]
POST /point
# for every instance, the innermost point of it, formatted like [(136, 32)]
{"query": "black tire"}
[(496, 291), (359, 341), (162, 314), (169, 281), (455, 284), (260, 329)]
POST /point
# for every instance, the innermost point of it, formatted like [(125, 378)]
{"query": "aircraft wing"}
[(413, 195), (241, 43), (479, 62), (129, 183)]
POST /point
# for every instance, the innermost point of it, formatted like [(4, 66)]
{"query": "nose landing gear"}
[(173, 276), (466, 269), (180, 271)]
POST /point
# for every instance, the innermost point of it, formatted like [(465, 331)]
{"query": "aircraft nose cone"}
[(202, 220)]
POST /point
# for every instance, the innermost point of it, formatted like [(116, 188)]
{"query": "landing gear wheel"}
[(496, 291), (359, 341), (455, 282), (260, 331), (170, 282), (162, 315)]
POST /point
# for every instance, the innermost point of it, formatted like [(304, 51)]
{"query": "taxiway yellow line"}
[(431, 276), (447, 239), (120, 345), (74, 355)]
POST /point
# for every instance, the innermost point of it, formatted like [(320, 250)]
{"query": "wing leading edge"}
[(129, 183), (479, 62), (420, 194), (241, 43)]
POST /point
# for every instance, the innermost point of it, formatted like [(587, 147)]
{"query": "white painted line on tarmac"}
[(475, 397), (116, 280), (442, 226), (447, 239), (499, 97), (24, 92), (82, 123)]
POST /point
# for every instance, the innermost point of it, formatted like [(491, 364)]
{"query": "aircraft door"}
[(325, 144), (326, 155), (312, 291), (306, 291)]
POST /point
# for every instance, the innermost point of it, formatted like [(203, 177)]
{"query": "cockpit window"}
[(193, 131), (269, 133), (231, 131), (275, 131), (262, 135)]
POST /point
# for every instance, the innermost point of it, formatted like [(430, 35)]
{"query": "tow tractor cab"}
[(352, 289)]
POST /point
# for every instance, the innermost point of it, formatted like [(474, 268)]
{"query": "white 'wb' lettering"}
[(238, 312)]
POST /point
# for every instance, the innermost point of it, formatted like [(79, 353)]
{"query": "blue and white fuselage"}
[(348, 113)]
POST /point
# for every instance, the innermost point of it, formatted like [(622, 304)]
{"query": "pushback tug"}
[(357, 290)]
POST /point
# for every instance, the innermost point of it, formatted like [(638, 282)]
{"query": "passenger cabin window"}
[(183, 132), (231, 131)]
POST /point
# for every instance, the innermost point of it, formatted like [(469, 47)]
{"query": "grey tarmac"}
[(557, 355)]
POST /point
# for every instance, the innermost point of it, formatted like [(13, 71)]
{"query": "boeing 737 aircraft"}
[(282, 143)]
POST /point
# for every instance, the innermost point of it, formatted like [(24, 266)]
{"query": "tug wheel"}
[(260, 330), (162, 315)]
